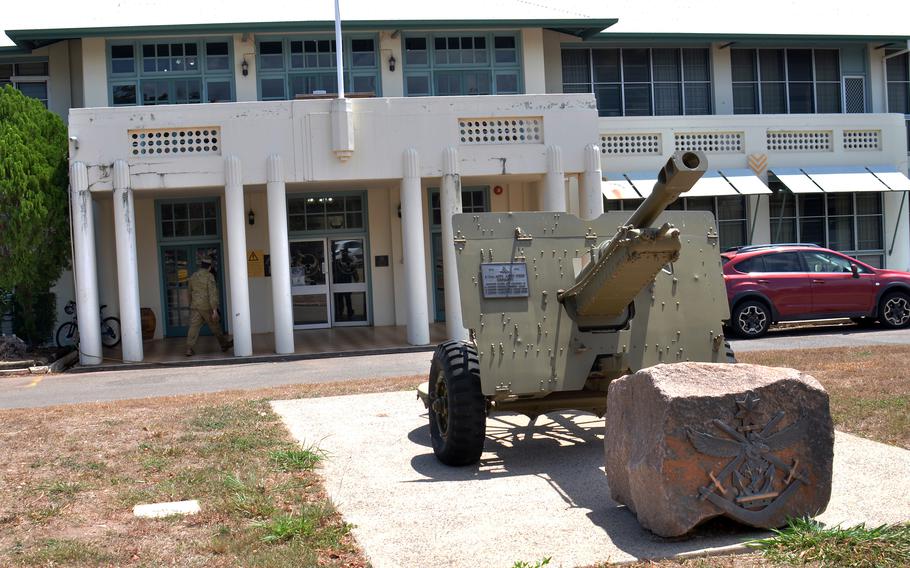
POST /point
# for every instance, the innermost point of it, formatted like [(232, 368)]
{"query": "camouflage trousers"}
[(197, 319)]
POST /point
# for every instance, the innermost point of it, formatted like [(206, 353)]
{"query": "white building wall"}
[(722, 79), (392, 81), (94, 72), (77, 96), (533, 61), (244, 49), (58, 95)]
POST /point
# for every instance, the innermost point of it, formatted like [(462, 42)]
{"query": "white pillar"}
[(450, 204), (590, 194), (87, 309), (127, 264), (236, 237), (415, 266), (280, 258), (553, 191)]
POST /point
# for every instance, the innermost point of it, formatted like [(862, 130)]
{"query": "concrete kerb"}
[(231, 360)]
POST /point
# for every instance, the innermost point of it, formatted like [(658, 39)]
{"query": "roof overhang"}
[(714, 183), (841, 179), (582, 28), (752, 40)]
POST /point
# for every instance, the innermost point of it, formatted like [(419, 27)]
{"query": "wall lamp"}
[(392, 62), (245, 69), (251, 217)]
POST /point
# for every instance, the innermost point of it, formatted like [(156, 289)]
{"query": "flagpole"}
[(339, 55)]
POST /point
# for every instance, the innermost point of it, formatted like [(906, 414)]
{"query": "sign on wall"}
[(255, 263)]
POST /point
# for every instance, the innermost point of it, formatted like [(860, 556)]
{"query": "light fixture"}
[(251, 217), (392, 63), (245, 69)]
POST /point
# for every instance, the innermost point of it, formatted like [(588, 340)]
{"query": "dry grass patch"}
[(72, 474), (869, 386)]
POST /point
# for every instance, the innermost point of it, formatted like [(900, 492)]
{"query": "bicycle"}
[(68, 332)]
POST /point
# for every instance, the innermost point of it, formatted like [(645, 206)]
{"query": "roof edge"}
[(605, 35)]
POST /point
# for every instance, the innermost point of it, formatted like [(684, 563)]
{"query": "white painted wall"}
[(722, 79), (392, 81), (59, 99), (533, 61), (552, 53), (77, 96), (94, 72), (245, 50)]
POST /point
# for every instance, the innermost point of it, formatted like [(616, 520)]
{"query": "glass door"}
[(349, 285), (179, 263), (309, 284)]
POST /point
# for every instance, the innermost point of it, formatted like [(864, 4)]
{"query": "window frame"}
[(786, 81), (681, 83), (15, 79), (287, 73), (139, 76), (432, 67), (329, 232)]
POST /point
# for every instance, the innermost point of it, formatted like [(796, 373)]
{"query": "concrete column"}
[(590, 194), (281, 266), (552, 194), (127, 264), (450, 204), (84, 266), (415, 266), (236, 237)]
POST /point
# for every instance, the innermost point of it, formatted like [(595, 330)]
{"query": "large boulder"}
[(687, 442)]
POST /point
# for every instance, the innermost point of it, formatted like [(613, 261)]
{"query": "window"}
[(323, 213), (782, 81), (462, 64), (186, 219), (170, 72), (30, 77), (851, 223), (754, 264), (473, 200), (820, 261), (783, 262), (304, 66), (640, 81), (729, 212)]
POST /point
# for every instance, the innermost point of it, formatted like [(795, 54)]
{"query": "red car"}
[(773, 283)]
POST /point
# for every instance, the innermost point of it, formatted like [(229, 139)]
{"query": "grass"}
[(297, 460), (61, 552), (805, 541)]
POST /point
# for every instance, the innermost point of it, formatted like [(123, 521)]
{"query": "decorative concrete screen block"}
[(862, 139), (630, 144), (710, 142), (799, 141), (187, 141), (501, 130), (687, 442)]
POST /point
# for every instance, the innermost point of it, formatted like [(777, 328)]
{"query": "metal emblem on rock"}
[(756, 483)]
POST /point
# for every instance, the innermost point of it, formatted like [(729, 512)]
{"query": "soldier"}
[(204, 307)]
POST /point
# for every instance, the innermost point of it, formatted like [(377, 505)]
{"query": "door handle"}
[(818, 281), (762, 281)]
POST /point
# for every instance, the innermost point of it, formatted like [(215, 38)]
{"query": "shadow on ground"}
[(566, 450)]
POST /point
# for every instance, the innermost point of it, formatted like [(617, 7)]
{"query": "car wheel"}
[(751, 319), (457, 407), (894, 311)]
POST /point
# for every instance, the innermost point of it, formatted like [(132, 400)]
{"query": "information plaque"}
[(504, 279)]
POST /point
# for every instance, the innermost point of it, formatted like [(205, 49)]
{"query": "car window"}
[(754, 264), (782, 262), (820, 261)]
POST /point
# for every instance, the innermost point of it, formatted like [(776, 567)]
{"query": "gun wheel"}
[(457, 408)]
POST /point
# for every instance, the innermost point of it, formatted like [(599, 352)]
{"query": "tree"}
[(34, 220)]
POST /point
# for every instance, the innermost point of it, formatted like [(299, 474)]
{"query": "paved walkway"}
[(539, 491), (839, 335)]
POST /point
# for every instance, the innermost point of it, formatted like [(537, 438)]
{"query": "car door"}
[(835, 289), (785, 282)]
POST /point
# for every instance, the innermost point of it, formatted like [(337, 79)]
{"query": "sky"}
[(786, 17)]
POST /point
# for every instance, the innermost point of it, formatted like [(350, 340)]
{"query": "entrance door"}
[(178, 264), (348, 283), (309, 284)]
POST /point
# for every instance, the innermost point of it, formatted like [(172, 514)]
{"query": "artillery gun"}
[(557, 307)]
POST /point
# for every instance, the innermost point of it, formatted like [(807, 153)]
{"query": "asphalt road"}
[(47, 390)]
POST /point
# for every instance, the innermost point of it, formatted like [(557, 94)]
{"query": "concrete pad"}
[(156, 510), (539, 490)]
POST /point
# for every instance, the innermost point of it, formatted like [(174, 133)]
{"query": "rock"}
[(687, 442), (12, 348)]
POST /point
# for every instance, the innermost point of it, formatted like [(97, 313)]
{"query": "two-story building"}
[(217, 134)]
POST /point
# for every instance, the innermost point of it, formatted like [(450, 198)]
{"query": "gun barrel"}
[(677, 176)]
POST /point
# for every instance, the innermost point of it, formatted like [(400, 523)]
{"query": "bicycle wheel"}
[(110, 332), (67, 334)]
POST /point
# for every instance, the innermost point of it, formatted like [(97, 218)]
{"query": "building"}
[(332, 212)]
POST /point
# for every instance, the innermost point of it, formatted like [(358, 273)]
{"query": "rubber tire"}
[(460, 440), (746, 305), (113, 324), (883, 304), (67, 334)]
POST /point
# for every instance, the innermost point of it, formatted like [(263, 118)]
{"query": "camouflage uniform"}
[(203, 302)]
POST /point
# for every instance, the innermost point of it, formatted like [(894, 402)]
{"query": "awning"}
[(615, 186), (795, 180), (842, 179), (746, 182), (895, 180), (713, 184)]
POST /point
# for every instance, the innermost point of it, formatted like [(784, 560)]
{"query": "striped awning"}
[(714, 183), (841, 179)]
